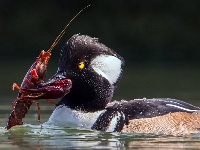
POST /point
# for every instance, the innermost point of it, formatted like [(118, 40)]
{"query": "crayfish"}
[(29, 90)]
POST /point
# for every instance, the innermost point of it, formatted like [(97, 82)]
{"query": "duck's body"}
[(95, 71), (159, 116)]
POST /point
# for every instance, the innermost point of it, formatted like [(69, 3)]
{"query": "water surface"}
[(180, 82), (36, 136)]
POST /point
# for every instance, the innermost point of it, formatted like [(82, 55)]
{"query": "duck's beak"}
[(59, 76), (56, 87)]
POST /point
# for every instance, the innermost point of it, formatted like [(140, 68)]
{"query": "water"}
[(180, 82), (36, 136)]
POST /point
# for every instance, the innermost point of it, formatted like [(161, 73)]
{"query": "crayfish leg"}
[(16, 86), (50, 101), (38, 106)]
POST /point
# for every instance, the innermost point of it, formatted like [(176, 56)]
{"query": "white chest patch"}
[(107, 66), (65, 116)]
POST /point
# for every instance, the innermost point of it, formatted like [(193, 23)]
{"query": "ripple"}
[(47, 136)]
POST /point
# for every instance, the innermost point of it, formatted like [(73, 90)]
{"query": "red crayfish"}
[(29, 91)]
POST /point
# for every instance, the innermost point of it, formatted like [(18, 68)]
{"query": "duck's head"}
[(94, 70)]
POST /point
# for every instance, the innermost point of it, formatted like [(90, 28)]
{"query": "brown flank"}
[(178, 123)]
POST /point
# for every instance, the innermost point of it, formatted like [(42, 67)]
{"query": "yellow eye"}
[(81, 65)]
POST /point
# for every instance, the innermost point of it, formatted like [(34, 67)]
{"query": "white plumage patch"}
[(65, 116), (114, 122), (107, 66), (190, 110)]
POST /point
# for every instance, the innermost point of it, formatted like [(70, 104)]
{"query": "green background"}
[(158, 39)]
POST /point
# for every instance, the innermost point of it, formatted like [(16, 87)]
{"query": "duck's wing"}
[(147, 108), (118, 114)]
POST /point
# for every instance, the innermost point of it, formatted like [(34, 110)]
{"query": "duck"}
[(95, 71)]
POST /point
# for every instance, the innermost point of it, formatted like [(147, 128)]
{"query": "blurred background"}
[(159, 40)]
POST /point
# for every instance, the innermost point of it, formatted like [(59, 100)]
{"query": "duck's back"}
[(160, 116)]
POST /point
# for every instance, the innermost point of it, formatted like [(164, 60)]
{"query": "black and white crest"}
[(102, 59), (93, 85)]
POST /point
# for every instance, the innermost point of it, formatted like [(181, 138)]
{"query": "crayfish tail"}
[(13, 121)]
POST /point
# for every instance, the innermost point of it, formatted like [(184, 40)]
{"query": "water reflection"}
[(53, 137), (57, 137), (175, 83), (35, 136)]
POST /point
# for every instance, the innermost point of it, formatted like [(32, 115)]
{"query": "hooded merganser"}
[(95, 70)]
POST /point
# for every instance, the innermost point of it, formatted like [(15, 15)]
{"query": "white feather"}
[(190, 110), (107, 66), (114, 122), (65, 116)]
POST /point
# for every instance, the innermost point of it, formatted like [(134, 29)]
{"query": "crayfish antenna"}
[(63, 31)]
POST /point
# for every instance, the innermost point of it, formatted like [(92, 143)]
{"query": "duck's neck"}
[(88, 97)]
